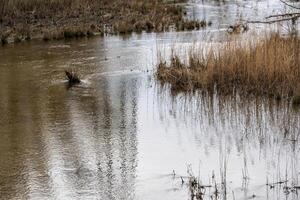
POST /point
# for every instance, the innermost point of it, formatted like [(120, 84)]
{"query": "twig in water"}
[(274, 21), (283, 15), (182, 181)]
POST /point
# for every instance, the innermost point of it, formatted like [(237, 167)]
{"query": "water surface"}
[(120, 135)]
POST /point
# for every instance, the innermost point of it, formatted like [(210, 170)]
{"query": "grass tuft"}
[(269, 66)]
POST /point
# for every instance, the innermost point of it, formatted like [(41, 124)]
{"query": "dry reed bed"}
[(57, 19), (269, 67)]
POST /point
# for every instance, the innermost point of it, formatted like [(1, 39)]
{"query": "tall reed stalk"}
[(267, 66)]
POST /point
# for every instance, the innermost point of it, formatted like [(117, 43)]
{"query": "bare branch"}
[(283, 15), (274, 21), (290, 5)]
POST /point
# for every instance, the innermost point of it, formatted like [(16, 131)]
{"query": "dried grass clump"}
[(142, 15), (191, 25), (269, 66)]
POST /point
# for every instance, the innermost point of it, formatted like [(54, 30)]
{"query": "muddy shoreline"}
[(63, 19)]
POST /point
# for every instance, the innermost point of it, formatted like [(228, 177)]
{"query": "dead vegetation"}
[(238, 28), (198, 190), (269, 66), (58, 19)]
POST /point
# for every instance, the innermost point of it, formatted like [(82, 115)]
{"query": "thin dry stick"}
[(290, 5), (292, 16), (274, 21), (283, 15)]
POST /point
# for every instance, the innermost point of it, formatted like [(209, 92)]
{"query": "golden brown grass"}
[(269, 66), (51, 19)]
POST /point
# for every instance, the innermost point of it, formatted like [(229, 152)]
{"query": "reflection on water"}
[(61, 144), (257, 140), (222, 13), (119, 135)]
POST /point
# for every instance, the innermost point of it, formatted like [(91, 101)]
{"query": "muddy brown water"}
[(120, 135)]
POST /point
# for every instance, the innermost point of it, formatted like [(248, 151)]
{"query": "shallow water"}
[(120, 135)]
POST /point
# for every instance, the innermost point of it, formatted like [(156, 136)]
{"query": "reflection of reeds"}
[(269, 66), (258, 128)]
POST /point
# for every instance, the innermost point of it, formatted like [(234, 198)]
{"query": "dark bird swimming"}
[(72, 77)]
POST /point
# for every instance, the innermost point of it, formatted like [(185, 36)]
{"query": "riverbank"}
[(269, 66), (55, 20)]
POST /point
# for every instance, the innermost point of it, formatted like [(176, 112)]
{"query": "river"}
[(121, 135)]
